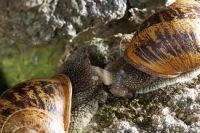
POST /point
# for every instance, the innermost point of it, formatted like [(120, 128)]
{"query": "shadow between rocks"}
[(3, 82)]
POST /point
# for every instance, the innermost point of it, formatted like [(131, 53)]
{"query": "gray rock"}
[(38, 21), (174, 109), (121, 127)]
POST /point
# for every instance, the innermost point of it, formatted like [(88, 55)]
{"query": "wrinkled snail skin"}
[(48, 105), (165, 50), (40, 105), (81, 75), (86, 89)]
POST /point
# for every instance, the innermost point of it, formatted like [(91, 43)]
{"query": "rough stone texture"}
[(29, 22), (175, 108), (121, 127), (38, 21), (142, 9)]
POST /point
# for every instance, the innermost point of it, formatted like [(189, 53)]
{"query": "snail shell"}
[(167, 44), (40, 105)]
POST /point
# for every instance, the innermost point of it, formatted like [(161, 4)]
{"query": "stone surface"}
[(175, 108), (121, 127), (24, 23), (20, 62), (39, 21)]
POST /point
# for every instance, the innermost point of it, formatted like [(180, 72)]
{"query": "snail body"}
[(164, 50)]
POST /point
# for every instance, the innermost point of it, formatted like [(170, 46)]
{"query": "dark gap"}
[(3, 82)]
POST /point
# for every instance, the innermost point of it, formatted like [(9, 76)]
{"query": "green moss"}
[(21, 62)]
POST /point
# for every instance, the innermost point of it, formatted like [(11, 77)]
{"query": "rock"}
[(39, 21), (121, 127), (138, 15), (142, 9), (20, 62), (170, 123), (175, 108)]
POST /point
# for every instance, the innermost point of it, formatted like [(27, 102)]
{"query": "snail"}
[(165, 50), (55, 105)]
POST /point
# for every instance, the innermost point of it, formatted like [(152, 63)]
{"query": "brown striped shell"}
[(167, 44), (37, 106)]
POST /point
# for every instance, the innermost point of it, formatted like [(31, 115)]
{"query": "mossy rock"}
[(22, 62)]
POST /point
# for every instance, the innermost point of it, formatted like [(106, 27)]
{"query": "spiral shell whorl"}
[(38, 103), (167, 44), (32, 120)]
